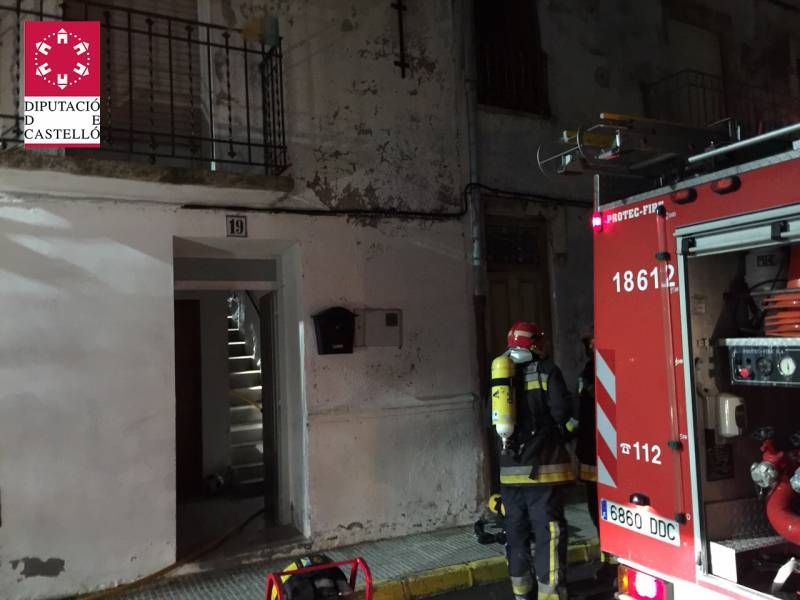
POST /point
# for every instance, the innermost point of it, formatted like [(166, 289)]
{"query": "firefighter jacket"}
[(537, 452), (586, 447)]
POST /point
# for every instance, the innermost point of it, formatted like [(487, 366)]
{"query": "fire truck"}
[(697, 338)]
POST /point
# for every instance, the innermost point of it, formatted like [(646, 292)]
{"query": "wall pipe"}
[(388, 213)]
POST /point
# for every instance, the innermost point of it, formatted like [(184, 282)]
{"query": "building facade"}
[(420, 150)]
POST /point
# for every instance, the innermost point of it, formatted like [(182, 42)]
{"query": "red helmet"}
[(526, 335)]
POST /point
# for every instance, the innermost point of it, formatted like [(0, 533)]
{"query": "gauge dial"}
[(787, 366), (764, 366)]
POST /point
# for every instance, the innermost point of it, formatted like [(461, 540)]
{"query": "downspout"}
[(475, 206), (489, 467)]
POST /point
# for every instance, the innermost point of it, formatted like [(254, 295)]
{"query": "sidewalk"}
[(405, 568)]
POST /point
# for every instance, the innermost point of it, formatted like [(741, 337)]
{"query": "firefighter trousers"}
[(535, 514)]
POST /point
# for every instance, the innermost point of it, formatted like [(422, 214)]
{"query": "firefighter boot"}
[(547, 592), (523, 587)]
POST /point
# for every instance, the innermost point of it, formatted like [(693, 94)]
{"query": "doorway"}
[(518, 286), (188, 406), (230, 439), (225, 470), (518, 277)]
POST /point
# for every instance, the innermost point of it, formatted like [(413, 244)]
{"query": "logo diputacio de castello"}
[(62, 84)]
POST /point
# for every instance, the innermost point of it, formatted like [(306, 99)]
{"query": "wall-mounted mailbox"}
[(335, 329)]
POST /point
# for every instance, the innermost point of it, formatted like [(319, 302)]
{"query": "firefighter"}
[(586, 447), (533, 468)]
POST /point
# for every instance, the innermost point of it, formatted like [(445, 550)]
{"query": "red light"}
[(641, 586), (726, 185), (684, 196), (597, 222)]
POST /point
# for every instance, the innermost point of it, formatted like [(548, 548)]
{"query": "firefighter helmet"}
[(527, 336)]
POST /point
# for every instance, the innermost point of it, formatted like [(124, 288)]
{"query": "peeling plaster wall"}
[(388, 437), (359, 135)]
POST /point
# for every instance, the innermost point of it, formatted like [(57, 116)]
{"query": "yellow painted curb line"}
[(466, 575)]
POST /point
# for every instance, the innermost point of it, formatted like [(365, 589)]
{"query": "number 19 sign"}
[(236, 225)]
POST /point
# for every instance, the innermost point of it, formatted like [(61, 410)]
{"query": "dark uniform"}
[(586, 448), (530, 478)]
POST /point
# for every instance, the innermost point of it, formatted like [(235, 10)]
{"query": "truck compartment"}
[(744, 337)]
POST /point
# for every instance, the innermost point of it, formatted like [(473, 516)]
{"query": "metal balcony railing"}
[(701, 99), (174, 91)]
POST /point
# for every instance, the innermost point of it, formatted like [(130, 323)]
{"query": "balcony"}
[(701, 99), (175, 91)]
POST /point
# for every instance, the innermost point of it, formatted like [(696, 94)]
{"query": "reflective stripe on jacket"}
[(588, 472)]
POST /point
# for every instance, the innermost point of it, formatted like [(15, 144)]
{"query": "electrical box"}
[(767, 361), (379, 327), (335, 330)]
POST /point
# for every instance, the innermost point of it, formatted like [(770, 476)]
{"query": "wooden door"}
[(519, 281), (188, 409)]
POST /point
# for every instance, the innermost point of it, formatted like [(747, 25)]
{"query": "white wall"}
[(87, 409), (87, 429)]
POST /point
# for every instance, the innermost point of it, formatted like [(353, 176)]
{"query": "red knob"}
[(744, 373)]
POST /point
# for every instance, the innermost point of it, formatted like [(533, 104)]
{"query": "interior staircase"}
[(247, 448)]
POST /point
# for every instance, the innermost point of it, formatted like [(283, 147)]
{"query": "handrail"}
[(744, 143)]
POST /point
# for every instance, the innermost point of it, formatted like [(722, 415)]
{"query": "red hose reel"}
[(780, 513), (275, 590), (783, 307)]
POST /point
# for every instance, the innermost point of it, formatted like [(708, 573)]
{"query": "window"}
[(151, 85), (512, 69)]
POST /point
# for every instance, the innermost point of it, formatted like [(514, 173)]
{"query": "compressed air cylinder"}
[(504, 410)]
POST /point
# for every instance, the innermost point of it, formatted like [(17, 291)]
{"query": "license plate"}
[(641, 521)]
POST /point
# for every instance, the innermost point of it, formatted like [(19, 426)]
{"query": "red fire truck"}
[(697, 337)]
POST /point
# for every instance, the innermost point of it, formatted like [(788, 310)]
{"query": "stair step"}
[(252, 481), (241, 363), (240, 396), (246, 453), (250, 487), (243, 408), (247, 466), (245, 432), (237, 349), (250, 378), (245, 414), (252, 444), (248, 472), (245, 427), (234, 335)]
